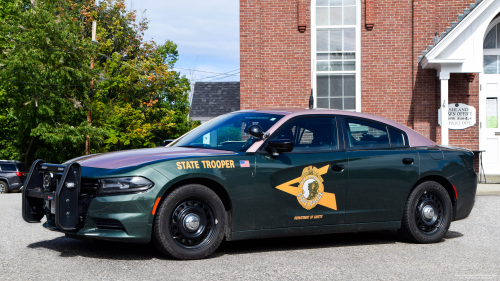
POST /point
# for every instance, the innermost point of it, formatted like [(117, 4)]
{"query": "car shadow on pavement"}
[(99, 249), (452, 234), (127, 251), (317, 242), (310, 242)]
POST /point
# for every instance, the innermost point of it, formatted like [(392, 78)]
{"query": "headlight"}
[(125, 184)]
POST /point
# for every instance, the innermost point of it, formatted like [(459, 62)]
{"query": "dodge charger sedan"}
[(255, 174)]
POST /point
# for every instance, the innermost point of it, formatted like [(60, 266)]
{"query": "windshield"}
[(227, 132)]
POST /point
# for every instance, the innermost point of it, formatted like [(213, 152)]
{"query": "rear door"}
[(308, 185), (382, 170)]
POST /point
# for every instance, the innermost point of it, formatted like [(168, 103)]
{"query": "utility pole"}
[(89, 112)]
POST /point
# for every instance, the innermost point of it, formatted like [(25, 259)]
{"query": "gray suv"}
[(12, 175)]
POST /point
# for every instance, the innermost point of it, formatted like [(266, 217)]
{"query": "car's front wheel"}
[(3, 187), (190, 223), (427, 214)]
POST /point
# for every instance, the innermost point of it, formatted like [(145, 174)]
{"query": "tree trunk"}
[(28, 151)]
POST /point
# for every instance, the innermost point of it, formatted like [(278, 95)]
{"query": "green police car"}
[(255, 174)]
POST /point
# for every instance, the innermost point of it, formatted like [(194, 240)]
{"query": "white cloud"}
[(206, 32)]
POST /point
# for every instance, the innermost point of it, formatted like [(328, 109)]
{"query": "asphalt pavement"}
[(470, 251)]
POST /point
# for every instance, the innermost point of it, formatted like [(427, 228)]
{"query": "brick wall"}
[(276, 65), (431, 17), (386, 62)]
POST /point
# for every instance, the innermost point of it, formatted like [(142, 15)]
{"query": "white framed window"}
[(336, 53), (491, 50)]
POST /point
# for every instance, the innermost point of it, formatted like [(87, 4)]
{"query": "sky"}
[(206, 34)]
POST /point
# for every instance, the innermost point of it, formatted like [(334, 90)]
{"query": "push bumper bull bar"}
[(39, 189)]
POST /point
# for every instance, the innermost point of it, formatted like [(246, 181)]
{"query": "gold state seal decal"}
[(310, 191)]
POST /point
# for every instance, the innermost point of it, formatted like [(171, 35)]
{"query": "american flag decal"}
[(244, 164)]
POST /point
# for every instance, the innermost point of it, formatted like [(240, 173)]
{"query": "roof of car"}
[(10, 161), (415, 138), (296, 111)]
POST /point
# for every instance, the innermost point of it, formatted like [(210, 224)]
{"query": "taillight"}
[(20, 174)]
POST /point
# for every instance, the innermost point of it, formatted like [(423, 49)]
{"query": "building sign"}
[(460, 116)]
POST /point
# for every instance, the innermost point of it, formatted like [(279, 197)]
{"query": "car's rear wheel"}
[(427, 214), (3, 187), (190, 223)]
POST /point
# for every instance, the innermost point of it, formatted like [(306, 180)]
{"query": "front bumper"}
[(124, 218), (120, 217)]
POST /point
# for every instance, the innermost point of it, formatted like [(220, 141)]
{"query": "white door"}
[(490, 129), (489, 101)]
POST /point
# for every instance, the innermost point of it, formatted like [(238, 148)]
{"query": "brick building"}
[(402, 60)]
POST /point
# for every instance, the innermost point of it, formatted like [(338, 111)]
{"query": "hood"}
[(136, 157)]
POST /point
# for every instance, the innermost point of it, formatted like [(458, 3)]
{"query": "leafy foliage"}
[(48, 85), (228, 133)]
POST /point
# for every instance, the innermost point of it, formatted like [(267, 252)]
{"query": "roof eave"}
[(449, 37), (437, 63)]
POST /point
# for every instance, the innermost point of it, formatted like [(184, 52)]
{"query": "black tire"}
[(427, 214), (4, 188), (174, 236)]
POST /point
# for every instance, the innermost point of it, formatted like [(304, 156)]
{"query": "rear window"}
[(8, 167), (22, 167), (397, 138), (363, 134)]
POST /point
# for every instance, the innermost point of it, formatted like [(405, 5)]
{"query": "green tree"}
[(7, 7), (46, 73), (136, 76), (8, 124), (136, 99), (146, 85)]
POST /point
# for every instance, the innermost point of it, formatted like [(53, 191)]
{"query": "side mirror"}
[(279, 145), (166, 142), (256, 131)]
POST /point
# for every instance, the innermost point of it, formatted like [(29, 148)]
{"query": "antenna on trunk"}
[(311, 100)]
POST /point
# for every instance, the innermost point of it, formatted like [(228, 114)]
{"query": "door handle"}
[(408, 160), (337, 168)]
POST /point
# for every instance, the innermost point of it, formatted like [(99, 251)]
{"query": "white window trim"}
[(490, 52), (358, 52), (490, 27)]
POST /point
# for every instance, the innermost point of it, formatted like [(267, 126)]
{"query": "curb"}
[(488, 189)]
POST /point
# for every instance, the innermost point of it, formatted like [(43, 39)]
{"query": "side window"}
[(397, 138), (22, 167), (8, 167), (311, 134), (363, 134)]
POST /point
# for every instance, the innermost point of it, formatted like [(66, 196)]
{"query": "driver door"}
[(306, 186)]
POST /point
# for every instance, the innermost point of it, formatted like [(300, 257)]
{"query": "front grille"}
[(109, 224), (89, 186)]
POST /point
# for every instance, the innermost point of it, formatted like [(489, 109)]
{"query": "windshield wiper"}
[(193, 146)]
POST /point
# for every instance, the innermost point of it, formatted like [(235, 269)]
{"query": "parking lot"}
[(470, 251)]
